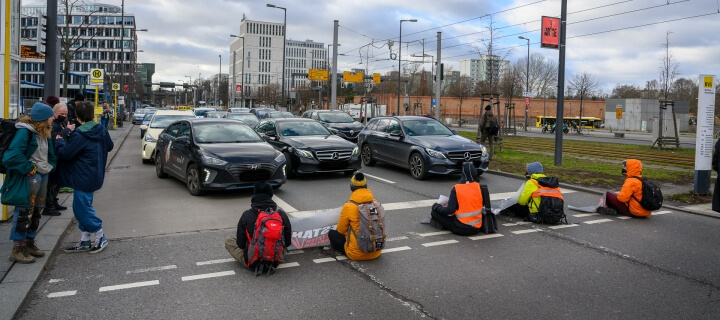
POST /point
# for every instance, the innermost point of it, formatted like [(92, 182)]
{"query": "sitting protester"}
[(524, 206), (628, 200), (463, 214)]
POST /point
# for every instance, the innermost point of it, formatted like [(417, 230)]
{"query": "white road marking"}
[(381, 179), (439, 243), (396, 238), (409, 204), (516, 223), (208, 275), (56, 280), (62, 294), (487, 236), (152, 269), (341, 258), (299, 251), (661, 212), (202, 263), (525, 231), (582, 215), (388, 250), (288, 265), (430, 234), (322, 260), (130, 285), (563, 226), (305, 214), (284, 205), (624, 217), (597, 221)]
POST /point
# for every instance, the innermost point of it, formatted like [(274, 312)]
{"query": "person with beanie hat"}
[(524, 206), (484, 128), (464, 210), (343, 239), (52, 101), (261, 201), (29, 159)]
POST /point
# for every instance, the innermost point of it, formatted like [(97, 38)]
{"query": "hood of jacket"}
[(362, 195), (91, 130), (469, 173), (634, 167), (263, 204), (23, 125), (550, 182)]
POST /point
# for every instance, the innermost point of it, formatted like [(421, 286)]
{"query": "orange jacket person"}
[(627, 201)]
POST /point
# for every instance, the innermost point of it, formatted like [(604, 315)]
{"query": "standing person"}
[(72, 119), (84, 156), (486, 130), (344, 238), (261, 200), (51, 101), (627, 201), (464, 212), (60, 127), (106, 114), (29, 159), (716, 167)]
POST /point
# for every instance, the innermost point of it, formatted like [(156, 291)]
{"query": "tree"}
[(543, 73), (511, 84), (584, 85), (349, 93), (73, 40), (462, 89), (669, 69), (626, 91), (686, 89)]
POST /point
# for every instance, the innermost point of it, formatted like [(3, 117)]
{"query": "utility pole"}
[(333, 102), (52, 85), (438, 79)]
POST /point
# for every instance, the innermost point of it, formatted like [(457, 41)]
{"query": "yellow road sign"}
[(376, 78), (116, 86), (353, 76), (318, 75), (618, 113), (97, 76)]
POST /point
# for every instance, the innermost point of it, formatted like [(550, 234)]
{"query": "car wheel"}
[(366, 155), (417, 167), (289, 172), (193, 180), (159, 170)]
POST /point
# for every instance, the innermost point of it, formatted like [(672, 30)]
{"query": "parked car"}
[(146, 121), (246, 117), (339, 123), (160, 120), (241, 110), (217, 154), (278, 114), (260, 112), (309, 147), (200, 112), (139, 114), (216, 114), (422, 145)]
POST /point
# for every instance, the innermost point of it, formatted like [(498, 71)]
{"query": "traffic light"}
[(41, 41)]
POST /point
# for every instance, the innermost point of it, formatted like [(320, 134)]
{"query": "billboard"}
[(550, 32)]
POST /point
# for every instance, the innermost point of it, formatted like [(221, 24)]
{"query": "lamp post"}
[(527, 78), (242, 72), (283, 55), (399, 62), (190, 83)]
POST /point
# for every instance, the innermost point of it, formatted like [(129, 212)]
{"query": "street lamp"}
[(189, 84), (242, 72), (283, 55), (527, 78), (399, 62)]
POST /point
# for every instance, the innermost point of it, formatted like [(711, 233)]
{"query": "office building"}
[(484, 68)]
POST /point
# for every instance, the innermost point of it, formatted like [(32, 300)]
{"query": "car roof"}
[(173, 112), (205, 120), (289, 120), (242, 112)]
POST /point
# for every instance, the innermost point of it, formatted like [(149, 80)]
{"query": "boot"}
[(19, 255), (58, 206), (50, 212), (32, 249)]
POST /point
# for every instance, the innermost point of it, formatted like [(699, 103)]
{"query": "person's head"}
[(60, 111), (262, 191), (358, 181), (40, 118), (84, 111), (79, 97), (469, 173), (488, 108), (52, 101), (533, 168), (632, 167)]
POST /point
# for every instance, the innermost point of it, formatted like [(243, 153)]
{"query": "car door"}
[(166, 139), (269, 126), (378, 143), (181, 153), (394, 145)]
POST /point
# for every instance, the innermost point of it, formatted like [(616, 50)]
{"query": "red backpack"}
[(266, 244)]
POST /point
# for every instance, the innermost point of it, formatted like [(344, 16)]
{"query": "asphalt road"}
[(166, 259)]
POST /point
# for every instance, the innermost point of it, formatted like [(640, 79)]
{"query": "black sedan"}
[(309, 147), (246, 117), (339, 123), (423, 145), (217, 154)]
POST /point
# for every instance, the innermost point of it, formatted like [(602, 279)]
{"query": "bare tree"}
[(626, 91), (669, 69), (511, 85), (584, 85), (462, 89), (76, 39), (686, 89)]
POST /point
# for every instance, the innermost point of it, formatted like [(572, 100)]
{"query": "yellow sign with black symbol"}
[(116, 86), (353, 76), (376, 78), (318, 75), (97, 76), (618, 113)]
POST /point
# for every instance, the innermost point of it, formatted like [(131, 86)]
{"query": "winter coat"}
[(486, 118), (716, 167), (527, 192), (631, 192), (16, 189), (84, 156), (350, 218), (246, 225)]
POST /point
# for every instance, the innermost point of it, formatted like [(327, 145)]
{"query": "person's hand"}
[(57, 136), (71, 127), (435, 206)]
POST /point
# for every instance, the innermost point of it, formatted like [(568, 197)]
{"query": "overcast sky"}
[(618, 41)]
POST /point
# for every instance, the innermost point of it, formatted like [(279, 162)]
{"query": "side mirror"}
[(454, 131), (143, 127), (271, 134), (396, 133), (183, 140)]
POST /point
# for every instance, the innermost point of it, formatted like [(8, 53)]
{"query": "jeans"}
[(26, 220), (104, 122), (85, 214)]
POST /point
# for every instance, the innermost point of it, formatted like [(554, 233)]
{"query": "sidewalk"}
[(16, 280)]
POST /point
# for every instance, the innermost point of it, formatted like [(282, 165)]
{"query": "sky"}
[(616, 41)]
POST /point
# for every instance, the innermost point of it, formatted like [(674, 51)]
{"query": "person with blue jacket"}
[(83, 159), (29, 159)]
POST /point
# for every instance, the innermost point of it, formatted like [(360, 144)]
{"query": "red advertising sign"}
[(238, 88), (527, 101), (550, 32)]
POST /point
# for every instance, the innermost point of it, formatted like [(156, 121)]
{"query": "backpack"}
[(489, 222), (652, 198), (371, 236), (491, 126), (551, 206), (266, 244), (7, 133)]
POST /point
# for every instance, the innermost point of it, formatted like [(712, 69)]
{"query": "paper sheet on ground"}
[(507, 202), (590, 209), (443, 200)]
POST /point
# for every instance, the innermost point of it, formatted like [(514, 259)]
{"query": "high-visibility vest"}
[(470, 204), (543, 191)]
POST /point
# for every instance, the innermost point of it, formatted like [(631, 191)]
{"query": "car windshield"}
[(140, 111), (335, 117), (424, 127), (162, 121), (225, 132), (201, 112), (216, 115), (304, 128), (148, 116), (248, 118)]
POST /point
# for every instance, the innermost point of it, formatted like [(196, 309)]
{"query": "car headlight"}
[(149, 138), (304, 153), (280, 158), (484, 150), (435, 154), (355, 151), (211, 159)]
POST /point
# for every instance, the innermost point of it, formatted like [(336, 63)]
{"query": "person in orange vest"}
[(464, 210)]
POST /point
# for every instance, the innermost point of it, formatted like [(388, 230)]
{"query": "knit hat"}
[(79, 97), (535, 167), (262, 187), (41, 112), (488, 107), (358, 181), (52, 100)]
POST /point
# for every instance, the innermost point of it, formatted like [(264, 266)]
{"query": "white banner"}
[(704, 142), (308, 232)]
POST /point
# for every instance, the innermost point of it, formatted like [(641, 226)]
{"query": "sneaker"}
[(99, 245), (79, 247), (607, 211)]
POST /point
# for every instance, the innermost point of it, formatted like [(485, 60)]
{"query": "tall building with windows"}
[(10, 53), (263, 55), (93, 35), (485, 67)]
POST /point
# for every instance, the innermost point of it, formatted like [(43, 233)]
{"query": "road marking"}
[(563, 226), (152, 269), (130, 285), (487, 236), (299, 251), (409, 204), (430, 234), (661, 212), (388, 250), (516, 223), (208, 275), (288, 265), (282, 204), (202, 263), (341, 258), (624, 217), (525, 231), (585, 215), (597, 221), (62, 294), (56, 280), (322, 260), (439, 243), (397, 238), (381, 179)]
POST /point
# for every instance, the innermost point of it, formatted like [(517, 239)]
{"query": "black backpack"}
[(652, 198), (550, 209), (489, 222), (7, 133), (491, 126)]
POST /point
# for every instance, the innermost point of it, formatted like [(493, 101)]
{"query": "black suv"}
[(339, 123)]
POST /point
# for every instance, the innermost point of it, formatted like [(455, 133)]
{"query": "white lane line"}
[(284, 205), (439, 243), (582, 215), (322, 260), (624, 217), (288, 265), (130, 285), (661, 212), (341, 258), (397, 238), (409, 204), (525, 231), (152, 269), (62, 294), (487, 236), (381, 179), (202, 263), (299, 251), (208, 275), (430, 234), (563, 226), (597, 221), (388, 250), (516, 223), (56, 280)]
